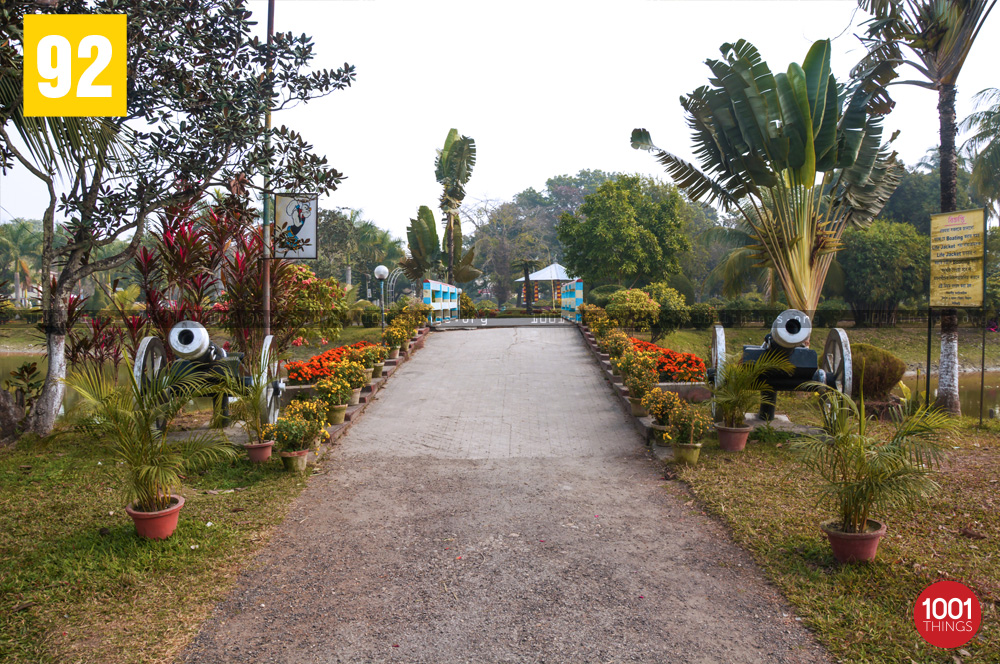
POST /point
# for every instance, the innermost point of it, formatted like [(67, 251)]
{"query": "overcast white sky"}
[(545, 87)]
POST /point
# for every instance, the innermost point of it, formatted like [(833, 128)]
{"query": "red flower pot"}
[(259, 452), (157, 525), (732, 439), (854, 547)]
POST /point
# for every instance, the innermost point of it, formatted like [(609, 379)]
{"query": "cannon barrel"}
[(791, 328), (189, 340)]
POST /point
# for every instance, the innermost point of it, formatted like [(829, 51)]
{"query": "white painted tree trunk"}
[(347, 276), (947, 395), (46, 408)]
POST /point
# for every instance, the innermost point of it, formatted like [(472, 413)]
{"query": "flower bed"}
[(319, 366), (673, 366)]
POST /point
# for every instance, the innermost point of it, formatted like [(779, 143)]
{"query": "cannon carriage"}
[(789, 332), (191, 345)]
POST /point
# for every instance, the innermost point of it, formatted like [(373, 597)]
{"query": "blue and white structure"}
[(443, 300), (572, 298)]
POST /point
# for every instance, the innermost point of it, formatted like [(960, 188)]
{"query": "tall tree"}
[(428, 256), (984, 143), (198, 88), (503, 233), (621, 234), (19, 248), (453, 168), (934, 38), (797, 156)]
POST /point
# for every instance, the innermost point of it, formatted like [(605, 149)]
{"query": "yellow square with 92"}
[(75, 65)]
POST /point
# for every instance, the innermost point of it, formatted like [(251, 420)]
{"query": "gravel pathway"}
[(495, 505)]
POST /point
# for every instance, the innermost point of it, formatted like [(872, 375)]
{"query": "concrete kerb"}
[(354, 413)]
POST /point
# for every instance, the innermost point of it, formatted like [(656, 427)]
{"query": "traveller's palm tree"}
[(798, 156), (427, 258), (453, 168)]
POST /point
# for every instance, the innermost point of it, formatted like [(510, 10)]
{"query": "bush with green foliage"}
[(371, 317), (633, 309), (749, 308), (7, 311), (466, 306), (702, 315), (600, 296), (829, 313), (674, 312), (876, 371)]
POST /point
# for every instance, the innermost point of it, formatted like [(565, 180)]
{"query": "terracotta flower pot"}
[(394, 353), (259, 452), (638, 410), (687, 453), (295, 461), (157, 525), (854, 547), (355, 397), (378, 369), (369, 371), (336, 414), (732, 439)]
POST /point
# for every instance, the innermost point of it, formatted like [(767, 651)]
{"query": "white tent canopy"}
[(554, 272)]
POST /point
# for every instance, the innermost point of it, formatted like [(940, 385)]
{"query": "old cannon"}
[(192, 346), (789, 332)]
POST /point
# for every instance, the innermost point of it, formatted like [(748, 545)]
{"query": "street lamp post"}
[(381, 272)]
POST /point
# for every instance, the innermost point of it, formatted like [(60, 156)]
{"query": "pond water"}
[(968, 384)]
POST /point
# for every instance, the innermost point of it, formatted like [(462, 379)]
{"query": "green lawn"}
[(77, 584), (863, 613)]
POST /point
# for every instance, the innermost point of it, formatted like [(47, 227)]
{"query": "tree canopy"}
[(621, 234)]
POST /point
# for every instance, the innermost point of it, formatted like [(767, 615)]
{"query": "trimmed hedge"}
[(876, 371)]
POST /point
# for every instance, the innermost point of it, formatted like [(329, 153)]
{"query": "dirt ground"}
[(415, 545)]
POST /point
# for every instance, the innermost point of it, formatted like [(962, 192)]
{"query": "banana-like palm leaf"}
[(795, 154)]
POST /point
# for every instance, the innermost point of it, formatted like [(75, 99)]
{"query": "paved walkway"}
[(496, 505)]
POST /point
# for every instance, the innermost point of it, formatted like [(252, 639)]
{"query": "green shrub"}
[(465, 305), (683, 285), (876, 371), (371, 317), (601, 295), (633, 309), (7, 311), (829, 313), (702, 315), (674, 313)]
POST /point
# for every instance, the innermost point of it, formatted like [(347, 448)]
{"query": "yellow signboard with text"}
[(958, 240)]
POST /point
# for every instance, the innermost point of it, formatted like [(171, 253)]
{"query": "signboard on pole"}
[(295, 217), (958, 245)]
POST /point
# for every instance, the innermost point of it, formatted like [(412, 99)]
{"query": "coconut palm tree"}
[(453, 168), (20, 243), (984, 143), (796, 155), (932, 37)]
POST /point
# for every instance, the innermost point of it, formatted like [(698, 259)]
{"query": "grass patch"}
[(77, 584), (863, 613)]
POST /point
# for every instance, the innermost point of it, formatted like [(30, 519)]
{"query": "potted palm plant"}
[(134, 421), (740, 387), (859, 470), (248, 408)]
